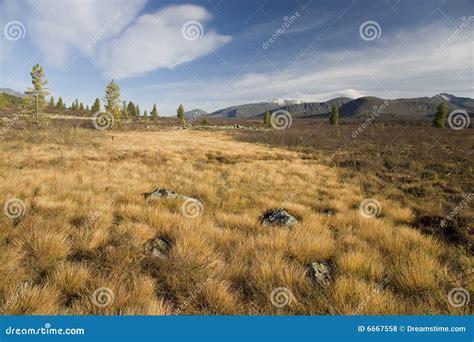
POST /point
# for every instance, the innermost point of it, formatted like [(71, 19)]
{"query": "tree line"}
[(121, 110)]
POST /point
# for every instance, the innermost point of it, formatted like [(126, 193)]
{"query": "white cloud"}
[(156, 41), (61, 28), (113, 35)]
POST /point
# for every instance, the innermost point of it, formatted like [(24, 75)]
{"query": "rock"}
[(321, 272), (328, 211), (159, 248), (161, 193), (237, 126), (278, 217)]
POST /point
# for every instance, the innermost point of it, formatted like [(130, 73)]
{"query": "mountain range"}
[(364, 106)]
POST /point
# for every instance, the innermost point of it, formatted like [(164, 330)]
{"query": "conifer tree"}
[(112, 99), (154, 113), (60, 103), (132, 110), (180, 114), (51, 102), (39, 90), (440, 118), (96, 106), (266, 118), (334, 118)]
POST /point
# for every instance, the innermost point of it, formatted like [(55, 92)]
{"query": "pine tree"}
[(51, 102), (81, 106), (334, 118), (266, 118), (76, 104), (145, 115), (137, 112), (154, 113), (180, 113), (440, 119), (132, 110), (39, 90), (124, 110), (60, 103), (96, 106), (112, 99)]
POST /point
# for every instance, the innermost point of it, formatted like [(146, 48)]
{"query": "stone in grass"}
[(159, 247), (161, 193), (321, 272), (278, 217)]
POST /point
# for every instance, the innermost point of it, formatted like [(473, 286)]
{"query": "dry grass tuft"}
[(87, 227)]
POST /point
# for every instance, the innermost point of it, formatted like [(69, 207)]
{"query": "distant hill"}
[(12, 92), (195, 113), (411, 108)]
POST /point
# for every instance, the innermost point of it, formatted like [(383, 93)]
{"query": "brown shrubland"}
[(87, 226)]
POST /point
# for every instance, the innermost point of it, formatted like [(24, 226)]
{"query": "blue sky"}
[(215, 53)]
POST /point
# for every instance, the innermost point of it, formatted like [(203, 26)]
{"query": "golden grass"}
[(87, 227)]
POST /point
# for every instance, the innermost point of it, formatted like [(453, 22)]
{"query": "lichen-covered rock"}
[(161, 193), (278, 217), (321, 272), (159, 247)]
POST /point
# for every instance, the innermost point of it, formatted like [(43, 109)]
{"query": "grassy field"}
[(80, 242)]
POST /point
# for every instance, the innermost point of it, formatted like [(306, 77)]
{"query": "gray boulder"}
[(321, 272), (159, 248), (161, 193), (278, 217)]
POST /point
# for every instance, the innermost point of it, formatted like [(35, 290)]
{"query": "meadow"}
[(80, 240)]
